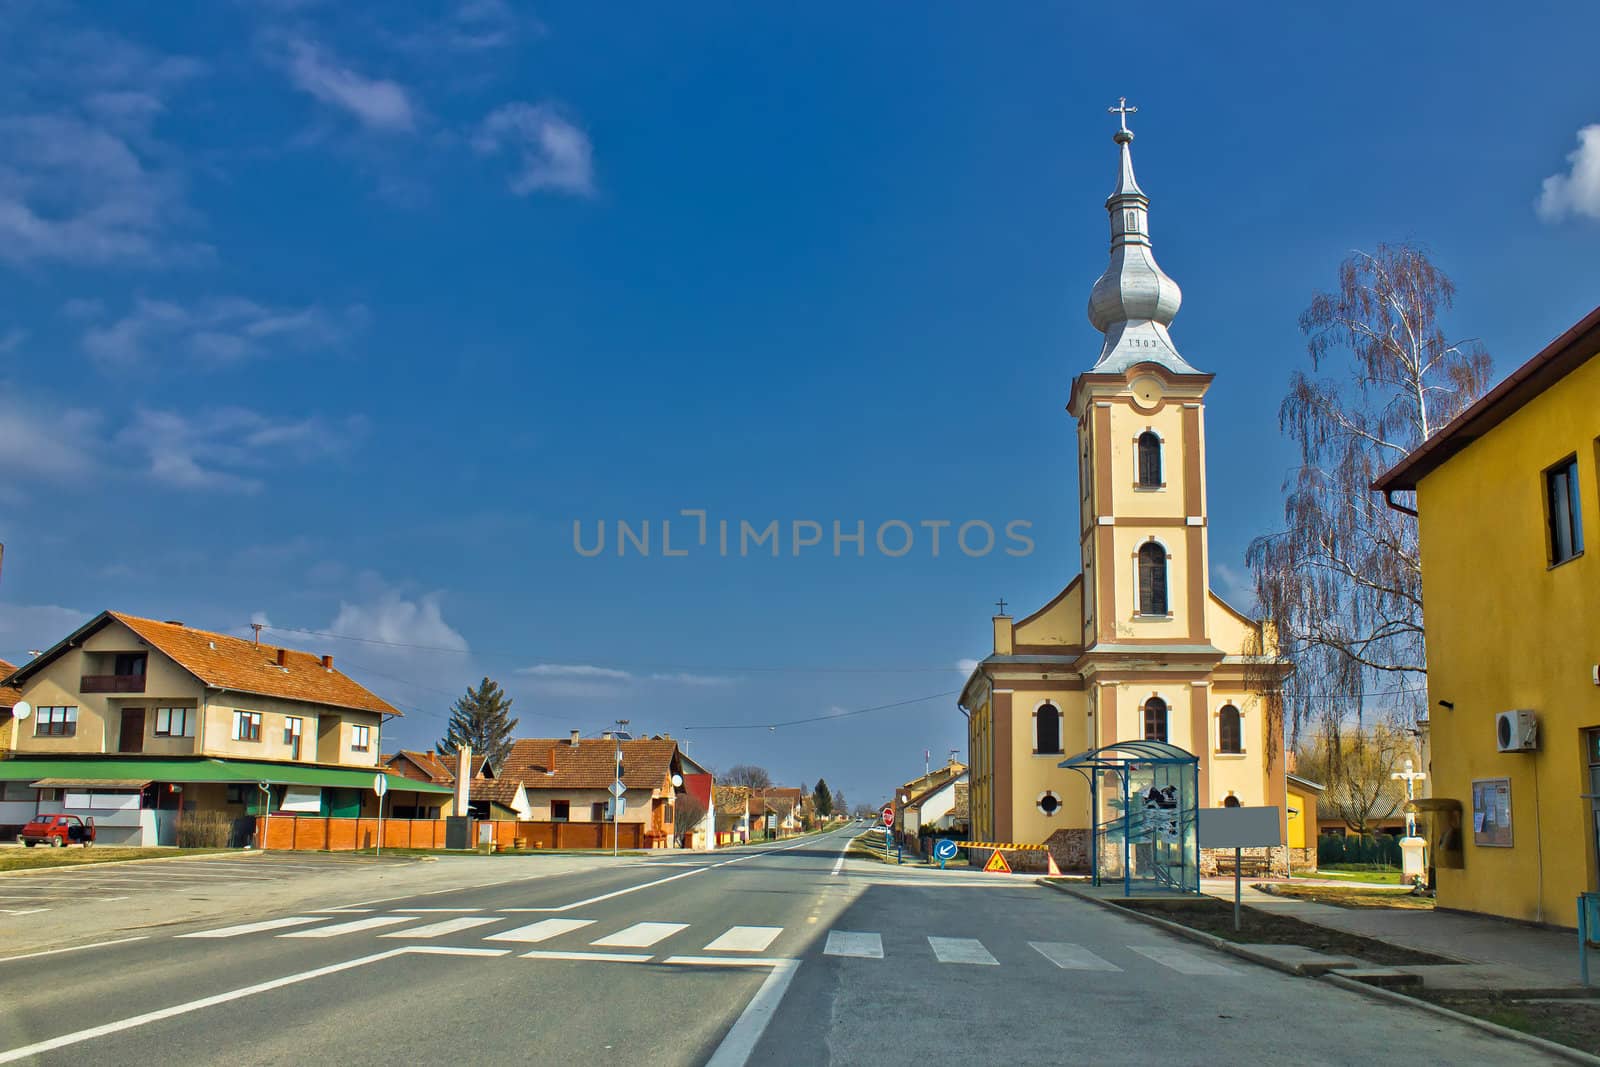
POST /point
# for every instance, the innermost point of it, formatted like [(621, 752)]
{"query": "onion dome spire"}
[(1134, 301)]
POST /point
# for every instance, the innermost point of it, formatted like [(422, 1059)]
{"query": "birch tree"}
[(1341, 583)]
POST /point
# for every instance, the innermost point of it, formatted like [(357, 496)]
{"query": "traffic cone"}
[(1054, 871)]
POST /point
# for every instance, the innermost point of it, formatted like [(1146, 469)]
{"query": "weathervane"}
[(1122, 111)]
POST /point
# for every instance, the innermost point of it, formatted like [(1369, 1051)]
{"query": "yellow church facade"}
[(1137, 647)]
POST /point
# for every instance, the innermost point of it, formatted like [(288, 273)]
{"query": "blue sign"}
[(944, 850)]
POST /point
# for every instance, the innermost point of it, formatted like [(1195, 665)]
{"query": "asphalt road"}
[(778, 955)]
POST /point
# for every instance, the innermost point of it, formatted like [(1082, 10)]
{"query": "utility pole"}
[(616, 791)]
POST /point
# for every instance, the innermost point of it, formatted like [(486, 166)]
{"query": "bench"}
[(1249, 866)]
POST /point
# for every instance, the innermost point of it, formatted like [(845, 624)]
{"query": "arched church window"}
[(1152, 579), (1230, 734), (1149, 460), (1047, 729), (1230, 801), (1155, 719)]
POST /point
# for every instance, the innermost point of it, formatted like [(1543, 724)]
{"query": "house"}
[(1508, 503), (1303, 797), (1137, 647), (733, 814), (699, 793), (489, 795), (925, 784), (933, 809), (569, 780), (147, 726), (775, 811)]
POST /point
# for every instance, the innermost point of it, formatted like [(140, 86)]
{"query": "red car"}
[(58, 831)]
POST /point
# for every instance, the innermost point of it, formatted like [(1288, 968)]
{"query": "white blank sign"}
[(1239, 827)]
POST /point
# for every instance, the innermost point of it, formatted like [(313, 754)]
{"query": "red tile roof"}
[(556, 763), (9, 695)]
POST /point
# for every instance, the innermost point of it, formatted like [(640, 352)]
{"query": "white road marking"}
[(432, 910), (745, 939), (23, 911), (727, 961), (352, 927), (74, 948), (640, 935), (860, 946), (132, 1022), (256, 928), (448, 926), (1180, 961), (345, 911), (1071, 957), (838, 864), (961, 950), (589, 957), (543, 930), (740, 1044)]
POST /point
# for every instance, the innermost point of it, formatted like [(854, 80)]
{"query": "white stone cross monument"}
[(1411, 863)]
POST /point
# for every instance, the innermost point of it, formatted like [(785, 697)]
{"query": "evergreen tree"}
[(822, 799), (482, 719)]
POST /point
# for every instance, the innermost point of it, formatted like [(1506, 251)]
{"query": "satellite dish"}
[(677, 781), (21, 709)]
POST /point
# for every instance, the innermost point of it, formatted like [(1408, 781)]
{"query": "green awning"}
[(116, 769)]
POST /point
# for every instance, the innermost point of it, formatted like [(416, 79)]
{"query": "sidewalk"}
[(1495, 954)]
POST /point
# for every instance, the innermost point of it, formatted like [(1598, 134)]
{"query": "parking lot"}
[(186, 879)]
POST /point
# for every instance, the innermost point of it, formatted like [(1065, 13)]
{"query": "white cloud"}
[(226, 448), (41, 441), (377, 103), (1576, 192), (392, 619), (29, 626), (966, 666), (552, 154), (583, 681), (217, 331), (1234, 586), (573, 670), (686, 678)]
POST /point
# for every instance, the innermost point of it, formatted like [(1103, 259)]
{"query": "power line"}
[(820, 719)]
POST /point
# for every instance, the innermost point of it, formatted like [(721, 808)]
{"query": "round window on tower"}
[(1048, 803), (1146, 391)]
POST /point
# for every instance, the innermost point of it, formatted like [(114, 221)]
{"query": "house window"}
[(175, 722), (1230, 734), (293, 729), (55, 722), (1048, 803), (1047, 729), (1152, 579), (128, 664), (241, 794), (247, 726), (560, 810), (360, 738), (1155, 719), (597, 812), (1149, 460), (1566, 522)]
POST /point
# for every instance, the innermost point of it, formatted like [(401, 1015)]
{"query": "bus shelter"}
[(1144, 799)]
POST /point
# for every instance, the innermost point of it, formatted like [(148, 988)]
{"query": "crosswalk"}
[(590, 940)]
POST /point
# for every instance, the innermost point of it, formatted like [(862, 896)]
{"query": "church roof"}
[(1134, 301)]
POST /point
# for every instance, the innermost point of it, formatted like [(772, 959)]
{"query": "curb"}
[(1222, 945), (1553, 1048), (65, 867)]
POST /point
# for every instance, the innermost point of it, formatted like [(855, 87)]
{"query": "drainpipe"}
[(1388, 498)]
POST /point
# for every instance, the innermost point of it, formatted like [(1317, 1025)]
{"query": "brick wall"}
[(346, 835)]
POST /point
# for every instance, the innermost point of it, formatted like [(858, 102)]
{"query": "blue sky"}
[(338, 316)]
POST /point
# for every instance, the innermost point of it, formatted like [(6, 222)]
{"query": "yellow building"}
[(1137, 646), (1507, 494)]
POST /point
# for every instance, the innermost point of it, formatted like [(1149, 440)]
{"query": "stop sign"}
[(888, 816)]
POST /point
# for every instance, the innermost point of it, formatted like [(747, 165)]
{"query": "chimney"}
[(327, 663), (605, 735), (1003, 635), (464, 780), (574, 739), (283, 657)]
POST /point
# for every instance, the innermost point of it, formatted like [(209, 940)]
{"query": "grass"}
[(30, 859), (1568, 1016), (1352, 896), (1375, 876), (1260, 927)]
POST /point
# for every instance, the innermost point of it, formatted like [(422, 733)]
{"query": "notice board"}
[(1491, 812)]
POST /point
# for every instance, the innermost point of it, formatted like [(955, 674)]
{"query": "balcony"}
[(111, 683)]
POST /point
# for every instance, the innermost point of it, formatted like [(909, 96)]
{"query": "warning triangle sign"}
[(1055, 871), (997, 863)]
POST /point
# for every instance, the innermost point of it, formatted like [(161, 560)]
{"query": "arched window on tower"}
[(1152, 579), (1149, 460), (1047, 729), (1230, 734), (1155, 719)]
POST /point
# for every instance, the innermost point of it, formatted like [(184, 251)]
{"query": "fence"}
[(346, 835)]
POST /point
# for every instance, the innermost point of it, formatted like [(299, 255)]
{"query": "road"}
[(788, 954)]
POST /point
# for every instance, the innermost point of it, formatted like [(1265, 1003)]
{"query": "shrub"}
[(205, 829)]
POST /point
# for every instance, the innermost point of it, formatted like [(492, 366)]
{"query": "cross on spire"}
[(1122, 111), (1001, 604)]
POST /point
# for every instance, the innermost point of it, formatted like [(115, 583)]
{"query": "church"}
[(1137, 646)]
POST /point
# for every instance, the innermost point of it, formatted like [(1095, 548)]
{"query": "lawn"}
[(1261, 927), (1567, 1016), (1350, 896), (1373, 876), (28, 859)]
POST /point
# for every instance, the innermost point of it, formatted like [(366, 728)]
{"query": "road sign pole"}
[(380, 786)]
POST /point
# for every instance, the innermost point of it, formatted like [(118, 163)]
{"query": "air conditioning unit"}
[(1516, 731)]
